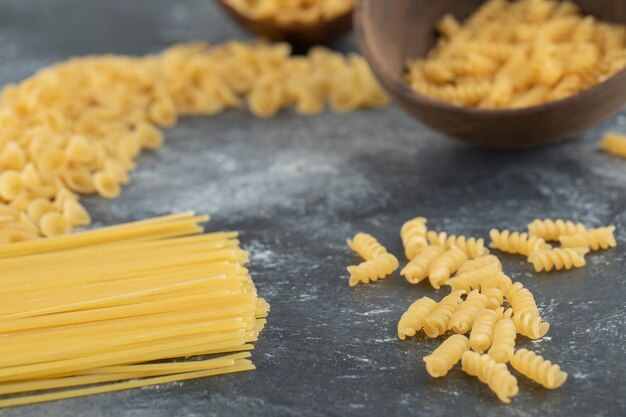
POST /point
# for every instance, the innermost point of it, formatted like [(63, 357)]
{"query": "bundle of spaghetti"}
[(97, 308)]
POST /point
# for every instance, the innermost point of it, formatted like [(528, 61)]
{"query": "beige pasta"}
[(503, 344), (614, 144), (38, 207), (75, 214), (366, 246), (481, 335), (472, 280), (502, 282), (472, 247), (522, 300), (495, 375), (593, 239), (538, 369), (558, 259), (53, 224), (11, 185), (371, 271), (448, 354), (417, 270), (413, 234), (552, 230), (438, 320), (445, 265), (412, 320), (495, 297), (463, 318), (516, 243), (478, 263), (530, 325)]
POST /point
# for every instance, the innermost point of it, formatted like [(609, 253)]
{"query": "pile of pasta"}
[(519, 54), (122, 307), (615, 144), (485, 309), (77, 127), (291, 12)]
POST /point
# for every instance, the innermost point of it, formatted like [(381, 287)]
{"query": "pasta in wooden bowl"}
[(302, 23), (567, 74)]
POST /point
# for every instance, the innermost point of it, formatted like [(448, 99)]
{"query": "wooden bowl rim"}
[(401, 87), (296, 27)]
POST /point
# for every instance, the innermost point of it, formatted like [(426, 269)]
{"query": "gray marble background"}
[(298, 187)]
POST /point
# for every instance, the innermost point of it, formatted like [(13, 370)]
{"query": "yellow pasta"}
[(481, 335), (504, 334), (501, 282), (593, 239), (558, 259), (377, 268), (522, 300), (448, 354), (53, 224), (413, 234), (552, 230), (495, 297), (516, 243), (290, 12), (437, 322), (472, 280), (412, 320), (530, 325), (445, 265), (472, 247), (495, 375), (366, 246), (518, 54), (538, 369), (463, 318), (417, 270), (478, 263), (614, 144)]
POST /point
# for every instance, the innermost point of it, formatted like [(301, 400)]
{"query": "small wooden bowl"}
[(301, 36), (390, 32)]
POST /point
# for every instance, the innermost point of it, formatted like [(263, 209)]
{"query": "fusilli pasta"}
[(417, 270), (472, 247), (495, 375), (481, 335), (530, 325), (447, 355), (438, 320), (552, 230), (445, 265), (462, 319), (478, 263), (522, 300), (504, 334), (558, 259), (366, 246), (371, 271), (413, 234), (413, 319), (538, 369), (516, 243), (472, 280), (594, 239)]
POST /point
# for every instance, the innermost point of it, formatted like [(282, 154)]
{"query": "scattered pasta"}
[(522, 300), (463, 319), (558, 259), (417, 270), (366, 246), (593, 239), (412, 320), (478, 263), (445, 265), (515, 242), (530, 325), (538, 369), (438, 320), (377, 268), (495, 375), (504, 334), (290, 12), (481, 335), (413, 234), (552, 230), (614, 144), (447, 355), (472, 280), (472, 247), (519, 54)]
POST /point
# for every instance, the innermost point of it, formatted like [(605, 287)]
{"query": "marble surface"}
[(297, 188)]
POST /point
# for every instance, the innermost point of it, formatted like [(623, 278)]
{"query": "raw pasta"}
[(538, 369), (472, 247), (371, 271), (413, 319), (462, 319), (445, 265), (481, 335), (447, 355), (478, 263), (438, 320), (290, 12), (504, 334), (558, 259), (614, 144), (473, 279), (522, 300), (593, 239), (516, 243), (417, 270), (518, 54), (366, 246), (552, 230), (530, 325), (413, 234), (495, 297), (495, 375)]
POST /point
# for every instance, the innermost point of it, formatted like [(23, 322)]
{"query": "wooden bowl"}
[(390, 32), (301, 36)]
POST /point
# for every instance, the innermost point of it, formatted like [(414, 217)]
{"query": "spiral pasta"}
[(501, 281), (462, 319), (552, 230), (481, 335), (495, 375), (538, 369), (530, 325), (614, 144), (495, 297), (472, 247), (378, 268), (417, 270), (448, 354), (438, 320), (445, 265), (516, 243), (504, 334), (290, 12), (478, 263), (413, 235), (594, 239), (558, 259), (472, 280), (366, 246), (413, 319), (522, 300)]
